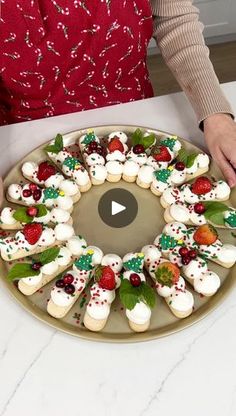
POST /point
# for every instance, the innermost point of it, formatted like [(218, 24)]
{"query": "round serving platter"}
[(143, 230)]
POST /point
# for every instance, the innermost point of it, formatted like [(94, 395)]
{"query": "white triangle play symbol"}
[(116, 208)]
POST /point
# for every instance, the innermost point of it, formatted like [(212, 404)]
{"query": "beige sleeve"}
[(178, 33)]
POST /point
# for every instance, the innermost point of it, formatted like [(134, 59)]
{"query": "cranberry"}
[(69, 289), (60, 283), (26, 193), (32, 211), (180, 166), (186, 260), (199, 208), (192, 254), (33, 187), (37, 194), (138, 148), (36, 266), (68, 279), (183, 251), (93, 145), (135, 280)]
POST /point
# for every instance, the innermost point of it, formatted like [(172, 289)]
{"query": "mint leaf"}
[(213, 208), (182, 156), (57, 146), (148, 295), (148, 141), (190, 160), (18, 271), (42, 210), (49, 255), (217, 218), (21, 215), (129, 295), (136, 137)]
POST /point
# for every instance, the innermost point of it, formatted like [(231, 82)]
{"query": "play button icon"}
[(118, 208)]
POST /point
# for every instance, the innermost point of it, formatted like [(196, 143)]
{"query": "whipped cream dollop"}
[(116, 155), (145, 174), (140, 314), (140, 159), (114, 167), (61, 298), (207, 284), (131, 168), (195, 268), (64, 232), (112, 260), (172, 195), (77, 245), (98, 172), (69, 187), (33, 280), (7, 216), (100, 302), (54, 181), (95, 159), (30, 169), (179, 213), (181, 301), (227, 253), (175, 229), (120, 135), (151, 253)]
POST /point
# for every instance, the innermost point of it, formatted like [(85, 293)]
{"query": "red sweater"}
[(58, 56)]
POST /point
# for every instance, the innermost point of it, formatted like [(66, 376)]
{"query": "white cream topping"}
[(59, 215), (156, 165), (97, 255), (47, 237), (116, 155), (60, 297), (54, 181), (29, 169), (7, 216), (64, 232), (181, 301), (197, 219), (8, 246), (140, 314), (141, 158), (177, 177), (207, 284), (64, 257), (145, 174), (130, 168), (98, 172), (33, 280), (203, 160), (14, 191), (188, 195), (179, 213), (81, 177), (151, 253), (50, 268), (70, 187), (95, 159), (120, 135), (222, 190), (22, 243), (76, 245), (63, 202), (127, 274), (114, 261), (172, 195), (195, 268), (175, 229), (159, 185), (227, 253), (114, 167)]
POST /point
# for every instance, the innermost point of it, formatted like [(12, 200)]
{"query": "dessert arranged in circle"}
[(39, 242)]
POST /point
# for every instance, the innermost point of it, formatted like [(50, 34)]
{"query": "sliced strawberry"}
[(201, 186), (167, 274), (32, 232), (115, 144), (45, 171), (105, 277), (161, 154), (206, 234)]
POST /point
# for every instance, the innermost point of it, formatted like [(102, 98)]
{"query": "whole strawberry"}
[(167, 274), (206, 234), (45, 171), (201, 186), (32, 232), (115, 144), (161, 154), (105, 277)]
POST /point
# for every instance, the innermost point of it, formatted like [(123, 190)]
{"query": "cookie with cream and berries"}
[(69, 287)]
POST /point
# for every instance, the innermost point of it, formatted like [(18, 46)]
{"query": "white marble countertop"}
[(47, 373)]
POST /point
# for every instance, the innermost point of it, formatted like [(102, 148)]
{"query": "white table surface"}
[(47, 373)]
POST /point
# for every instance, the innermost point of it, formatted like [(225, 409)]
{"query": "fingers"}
[(225, 166)]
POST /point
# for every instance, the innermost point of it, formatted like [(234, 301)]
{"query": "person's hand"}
[(220, 136), (1, 191)]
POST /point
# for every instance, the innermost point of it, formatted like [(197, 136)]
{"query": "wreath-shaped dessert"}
[(39, 240)]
